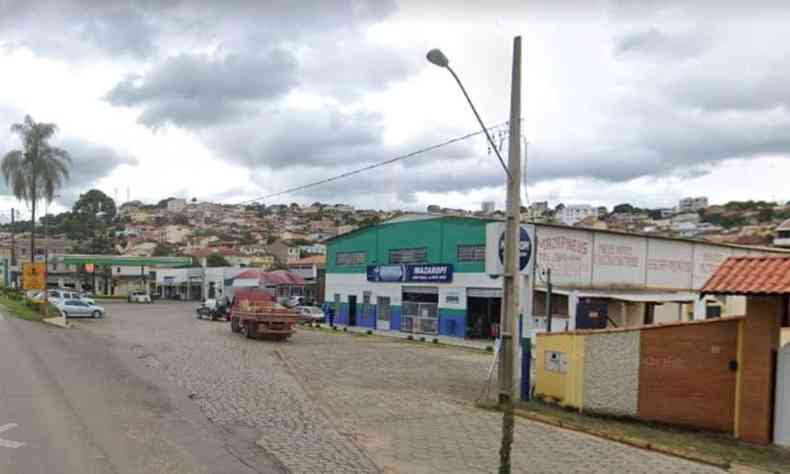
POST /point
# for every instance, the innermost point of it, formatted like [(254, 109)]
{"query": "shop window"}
[(349, 258), (416, 255), (471, 253)]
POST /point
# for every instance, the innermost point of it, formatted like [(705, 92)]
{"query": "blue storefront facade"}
[(421, 274)]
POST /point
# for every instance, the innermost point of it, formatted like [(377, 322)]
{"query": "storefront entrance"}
[(383, 313), (483, 307), (352, 310), (420, 310)]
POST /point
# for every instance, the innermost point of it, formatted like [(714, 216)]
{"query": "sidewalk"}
[(445, 340)]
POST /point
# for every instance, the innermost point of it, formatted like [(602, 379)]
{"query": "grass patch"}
[(705, 446), (19, 309)]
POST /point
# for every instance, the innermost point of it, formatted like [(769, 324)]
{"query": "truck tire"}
[(234, 325)]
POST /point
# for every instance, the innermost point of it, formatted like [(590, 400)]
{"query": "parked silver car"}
[(79, 308), (62, 295), (311, 313)]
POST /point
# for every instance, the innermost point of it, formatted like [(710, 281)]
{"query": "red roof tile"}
[(273, 278), (761, 275)]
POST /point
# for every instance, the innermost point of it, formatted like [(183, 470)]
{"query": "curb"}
[(57, 321), (627, 440), (404, 340)]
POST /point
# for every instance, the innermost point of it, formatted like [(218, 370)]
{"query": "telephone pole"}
[(13, 247), (510, 288), (512, 252), (549, 309)]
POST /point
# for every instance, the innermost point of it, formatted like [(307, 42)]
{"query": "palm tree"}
[(36, 171)]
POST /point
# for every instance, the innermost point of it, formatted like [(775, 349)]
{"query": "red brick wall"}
[(760, 339), (684, 375)]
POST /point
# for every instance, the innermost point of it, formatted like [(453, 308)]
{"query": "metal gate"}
[(782, 399), (420, 317), (383, 313)]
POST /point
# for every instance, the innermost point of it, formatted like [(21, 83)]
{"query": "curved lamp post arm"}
[(479, 120)]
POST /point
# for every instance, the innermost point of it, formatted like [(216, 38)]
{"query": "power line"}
[(370, 167)]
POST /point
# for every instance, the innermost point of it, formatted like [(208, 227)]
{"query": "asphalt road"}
[(72, 402)]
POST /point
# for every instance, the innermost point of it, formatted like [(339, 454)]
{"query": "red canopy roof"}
[(273, 278), (757, 275)]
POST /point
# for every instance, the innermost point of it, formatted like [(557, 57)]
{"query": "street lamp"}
[(512, 236), (437, 57)]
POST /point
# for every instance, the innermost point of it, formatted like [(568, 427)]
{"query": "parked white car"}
[(61, 295), (72, 308), (139, 297), (311, 313)]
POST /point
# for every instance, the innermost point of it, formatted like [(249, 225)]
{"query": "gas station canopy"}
[(122, 260)]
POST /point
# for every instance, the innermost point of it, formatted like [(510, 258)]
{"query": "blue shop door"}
[(592, 314)]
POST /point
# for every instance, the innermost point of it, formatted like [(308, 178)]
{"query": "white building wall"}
[(619, 260), (356, 284)]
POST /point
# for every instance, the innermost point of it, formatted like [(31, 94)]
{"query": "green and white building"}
[(428, 274)]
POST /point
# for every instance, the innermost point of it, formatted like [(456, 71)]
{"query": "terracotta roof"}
[(757, 275), (311, 260), (273, 278)]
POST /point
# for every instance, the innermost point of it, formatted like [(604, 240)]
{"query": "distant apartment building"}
[(176, 205), (343, 208), (315, 249), (434, 209), (686, 217), (571, 214), (176, 234), (283, 251), (692, 204), (782, 234), (488, 207)]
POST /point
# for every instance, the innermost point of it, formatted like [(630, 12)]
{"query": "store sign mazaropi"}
[(421, 273)]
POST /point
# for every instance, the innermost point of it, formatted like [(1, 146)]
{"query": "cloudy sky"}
[(643, 101)]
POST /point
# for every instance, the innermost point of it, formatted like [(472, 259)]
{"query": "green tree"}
[(36, 171), (217, 260), (163, 250), (95, 206)]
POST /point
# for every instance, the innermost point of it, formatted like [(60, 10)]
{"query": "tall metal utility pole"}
[(510, 290), (549, 309), (13, 248), (512, 243)]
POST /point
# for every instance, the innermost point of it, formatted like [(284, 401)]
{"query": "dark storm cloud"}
[(194, 91), (283, 139), (141, 28), (90, 163)]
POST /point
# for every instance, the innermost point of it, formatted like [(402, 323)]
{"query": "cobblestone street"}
[(326, 402)]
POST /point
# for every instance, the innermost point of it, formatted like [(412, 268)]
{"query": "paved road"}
[(325, 402), (71, 402)]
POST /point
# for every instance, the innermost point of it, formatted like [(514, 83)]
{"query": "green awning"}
[(122, 260)]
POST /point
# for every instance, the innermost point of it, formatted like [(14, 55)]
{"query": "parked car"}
[(214, 310), (60, 295), (292, 301), (79, 308), (138, 296), (311, 313)]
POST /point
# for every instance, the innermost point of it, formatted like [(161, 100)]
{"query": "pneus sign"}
[(433, 273), (495, 248)]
